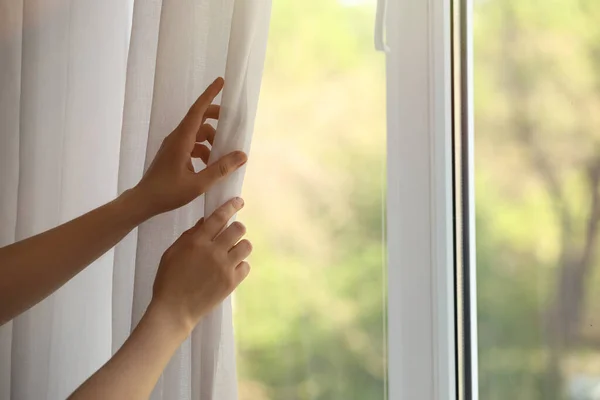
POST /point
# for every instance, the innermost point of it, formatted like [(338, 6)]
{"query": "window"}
[(536, 81), (487, 113), (493, 204), (310, 323)]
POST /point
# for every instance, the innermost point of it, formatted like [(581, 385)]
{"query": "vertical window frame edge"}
[(420, 229), (463, 142), (468, 177)]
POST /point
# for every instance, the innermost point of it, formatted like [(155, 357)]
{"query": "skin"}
[(195, 274), (198, 272)]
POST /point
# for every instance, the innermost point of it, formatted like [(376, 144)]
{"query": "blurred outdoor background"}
[(537, 163), (310, 320)]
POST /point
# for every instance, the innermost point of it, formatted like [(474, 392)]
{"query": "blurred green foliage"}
[(537, 131), (310, 321)]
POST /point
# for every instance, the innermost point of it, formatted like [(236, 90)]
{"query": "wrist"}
[(137, 206), (171, 323)]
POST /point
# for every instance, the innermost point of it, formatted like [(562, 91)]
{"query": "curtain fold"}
[(139, 90), (73, 56), (11, 28), (88, 91), (213, 339)]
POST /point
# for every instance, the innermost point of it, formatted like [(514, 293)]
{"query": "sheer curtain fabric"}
[(88, 90)]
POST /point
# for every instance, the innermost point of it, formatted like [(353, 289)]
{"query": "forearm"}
[(134, 370), (196, 273), (34, 268)]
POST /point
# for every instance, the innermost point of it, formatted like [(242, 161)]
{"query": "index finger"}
[(195, 116), (219, 219)]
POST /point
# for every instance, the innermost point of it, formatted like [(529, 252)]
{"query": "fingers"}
[(196, 115), (212, 112), (202, 152), (220, 169), (231, 235), (240, 251), (206, 132), (219, 219), (241, 271)]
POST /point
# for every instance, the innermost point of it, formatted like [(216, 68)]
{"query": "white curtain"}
[(88, 90)]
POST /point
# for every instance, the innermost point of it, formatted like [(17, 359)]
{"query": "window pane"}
[(537, 163), (310, 318)]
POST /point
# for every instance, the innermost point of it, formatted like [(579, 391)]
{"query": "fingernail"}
[(240, 158), (238, 202)]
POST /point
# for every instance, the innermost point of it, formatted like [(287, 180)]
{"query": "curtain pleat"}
[(72, 73), (88, 92), (192, 52), (213, 340), (137, 109), (11, 28)]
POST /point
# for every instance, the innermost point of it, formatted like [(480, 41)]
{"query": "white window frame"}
[(422, 361)]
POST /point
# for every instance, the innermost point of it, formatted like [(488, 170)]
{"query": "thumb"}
[(220, 169)]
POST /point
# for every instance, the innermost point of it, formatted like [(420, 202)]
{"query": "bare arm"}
[(34, 268), (200, 270), (134, 370)]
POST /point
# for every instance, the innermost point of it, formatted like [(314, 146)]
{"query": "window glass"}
[(310, 319), (537, 164)]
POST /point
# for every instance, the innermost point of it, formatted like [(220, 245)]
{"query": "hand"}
[(171, 181), (202, 267)]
